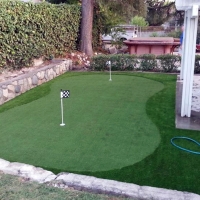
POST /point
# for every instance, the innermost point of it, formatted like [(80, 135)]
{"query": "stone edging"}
[(14, 87), (92, 184)]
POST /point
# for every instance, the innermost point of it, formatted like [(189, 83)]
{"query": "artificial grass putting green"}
[(106, 125), (167, 167)]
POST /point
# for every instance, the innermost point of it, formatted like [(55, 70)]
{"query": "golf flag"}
[(109, 64), (64, 94)]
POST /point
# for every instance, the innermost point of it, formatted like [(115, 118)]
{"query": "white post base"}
[(62, 124)]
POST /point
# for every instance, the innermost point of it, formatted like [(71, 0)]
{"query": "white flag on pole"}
[(109, 65)]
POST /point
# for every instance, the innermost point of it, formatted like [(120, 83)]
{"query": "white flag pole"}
[(109, 64), (62, 124)]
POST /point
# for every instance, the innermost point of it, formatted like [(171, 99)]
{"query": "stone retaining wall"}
[(9, 89)]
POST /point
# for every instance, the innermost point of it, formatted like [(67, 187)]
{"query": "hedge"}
[(119, 62), (29, 31), (169, 63), (146, 62)]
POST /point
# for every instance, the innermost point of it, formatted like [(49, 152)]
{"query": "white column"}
[(183, 49), (188, 64)]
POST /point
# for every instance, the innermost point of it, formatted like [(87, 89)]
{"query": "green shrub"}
[(29, 31), (197, 64), (174, 34), (169, 63), (139, 21), (154, 34), (122, 62), (148, 62), (98, 63)]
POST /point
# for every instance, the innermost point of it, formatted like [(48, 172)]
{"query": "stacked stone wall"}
[(9, 89)]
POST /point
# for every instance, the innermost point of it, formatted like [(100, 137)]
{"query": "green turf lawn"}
[(118, 130), (106, 125)]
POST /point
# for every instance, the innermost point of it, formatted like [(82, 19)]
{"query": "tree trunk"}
[(86, 26)]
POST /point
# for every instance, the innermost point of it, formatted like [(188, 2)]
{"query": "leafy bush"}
[(29, 31), (148, 62), (98, 62), (154, 34), (169, 63), (174, 34), (140, 21), (123, 62), (120, 62)]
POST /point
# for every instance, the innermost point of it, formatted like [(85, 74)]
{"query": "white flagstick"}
[(109, 64), (62, 124)]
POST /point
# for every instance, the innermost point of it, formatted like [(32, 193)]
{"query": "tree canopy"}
[(159, 11), (125, 9)]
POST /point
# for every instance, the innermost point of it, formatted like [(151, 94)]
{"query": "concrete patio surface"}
[(193, 122)]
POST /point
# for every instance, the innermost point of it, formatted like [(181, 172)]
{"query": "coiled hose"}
[(184, 149)]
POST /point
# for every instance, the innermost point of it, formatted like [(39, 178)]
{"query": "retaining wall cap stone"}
[(3, 163), (34, 173), (41, 175), (120, 188)]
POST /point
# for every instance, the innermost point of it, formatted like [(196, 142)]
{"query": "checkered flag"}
[(64, 94)]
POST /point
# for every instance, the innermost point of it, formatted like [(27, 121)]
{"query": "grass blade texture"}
[(106, 125), (119, 129)]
